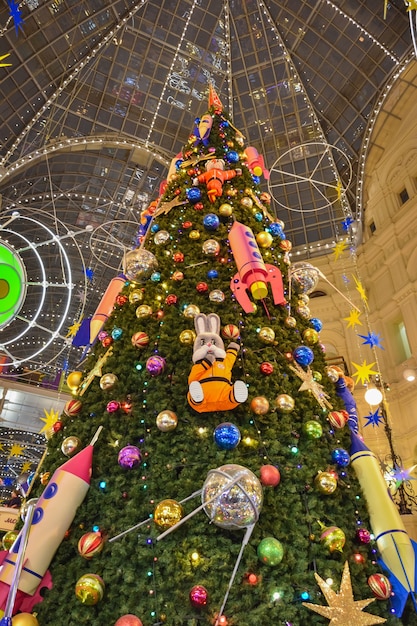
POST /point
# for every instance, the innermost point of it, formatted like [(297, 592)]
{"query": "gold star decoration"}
[(96, 371), (16, 450), (2, 57), (339, 188), (339, 248), (343, 610), (165, 207), (50, 418), (364, 371), (196, 159), (411, 5), (311, 385), (353, 318), (26, 467), (361, 290), (73, 329)]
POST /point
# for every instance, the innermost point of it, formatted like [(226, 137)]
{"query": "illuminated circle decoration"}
[(12, 283)]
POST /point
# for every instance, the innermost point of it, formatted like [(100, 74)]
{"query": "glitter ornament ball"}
[(139, 265), (198, 596), (313, 429), (129, 457), (267, 335), (166, 421), (270, 551), (193, 195), (89, 589), (284, 403), (90, 544), (230, 505), (155, 365), (326, 483), (227, 436), (259, 405), (211, 247), (144, 310), (116, 333), (304, 277), (108, 381), (270, 476), (135, 296), (167, 513), (380, 586), (70, 446), (72, 408), (333, 538), (341, 457), (211, 222), (338, 419), (161, 237), (316, 324), (112, 406), (310, 336), (187, 337), (140, 340), (128, 620), (303, 355), (216, 295), (363, 535)]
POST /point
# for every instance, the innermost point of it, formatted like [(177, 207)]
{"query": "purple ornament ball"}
[(198, 596), (155, 365), (129, 457)]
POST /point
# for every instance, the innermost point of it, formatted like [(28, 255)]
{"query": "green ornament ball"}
[(270, 551), (313, 429)]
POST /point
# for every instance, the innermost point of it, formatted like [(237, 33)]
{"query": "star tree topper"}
[(311, 385), (343, 610)]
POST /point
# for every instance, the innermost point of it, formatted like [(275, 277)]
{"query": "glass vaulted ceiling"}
[(100, 95)]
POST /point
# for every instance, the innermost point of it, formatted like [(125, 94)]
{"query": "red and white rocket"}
[(253, 274), (53, 515), (105, 306)]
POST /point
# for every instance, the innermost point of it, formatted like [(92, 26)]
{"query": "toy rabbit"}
[(210, 386)]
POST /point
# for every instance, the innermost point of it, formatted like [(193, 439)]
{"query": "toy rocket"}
[(53, 515), (253, 274), (105, 307), (256, 163), (397, 550)]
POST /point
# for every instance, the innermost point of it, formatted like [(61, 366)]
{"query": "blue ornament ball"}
[(341, 457), (211, 221), (259, 217), (316, 324), (232, 156), (154, 228), (275, 229), (194, 195), (227, 436), (116, 333), (303, 355), (212, 274), (155, 277), (256, 179), (178, 164)]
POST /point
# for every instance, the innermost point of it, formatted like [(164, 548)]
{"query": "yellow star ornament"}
[(353, 318), (364, 371), (361, 290), (343, 610), (16, 450), (339, 248), (50, 418)]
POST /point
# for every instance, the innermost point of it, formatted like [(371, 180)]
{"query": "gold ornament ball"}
[(187, 337), (303, 298), (267, 334), (264, 239), (225, 209), (25, 619), (9, 538), (284, 403), (191, 310), (89, 589), (70, 445), (74, 379), (166, 421), (143, 311), (168, 513), (216, 295), (108, 381), (326, 483), (246, 202), (303, 311), (317, 376), (310, 336), (333, 374), (259, 405), (194, 234), (290, 322), (135, 296)]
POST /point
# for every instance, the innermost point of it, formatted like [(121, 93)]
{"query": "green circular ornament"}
[(270, 551), (12, 284), (313, 429)]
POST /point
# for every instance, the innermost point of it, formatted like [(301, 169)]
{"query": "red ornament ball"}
[(128, 620), (202, 287), (266, 368), (198, 596), (252, 579), (178, 257), (187, 224), (338, 419), (230, 331), (270, 476), (107, 341), (90, 544), (199, 206), (72, 407), (57, 426), (171, 299), (380, 586), (126, 406), (140, 340), (121, 299), (363, 535)]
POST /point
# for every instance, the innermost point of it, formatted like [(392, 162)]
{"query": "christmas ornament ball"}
[(225, 209), (143, 310), (333, 538), (112, 406), (270, 551), (363, 535), (89, 589), (191, 310), (326, 483), (310, 336), (129, 457), (90, 544), (128, 620), (313, 429), (108, 381), (304, 277), (232, 496), (166, 421), (266, 368), (316, 324), (167, 513), (290, 322), (246, 202), (135, 296), (155, 365), (264, 239), (230, 331), (211, 222), (338, 419), (74, 379), (303, 355), (380, 586), (70, 445), (270, 476), (284, 403), (211, 247), (24, 619), (259, 405), (161, 237), (198, 596), (187, 337), (267, 335), (216, 295), (9, 538), (140, 340), (227, 436), (341, 457), (72, 408), (139, 265)]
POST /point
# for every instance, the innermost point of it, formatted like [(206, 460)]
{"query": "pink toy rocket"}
[(53, 515), (256, 163), (253, 274), (105, 307)]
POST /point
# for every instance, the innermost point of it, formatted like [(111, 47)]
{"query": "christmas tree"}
[(221, 491)]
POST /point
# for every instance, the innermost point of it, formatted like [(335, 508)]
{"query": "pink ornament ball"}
[(112, 406), (198, 596), (129, 457), (270, 476), (128, 620), (155, 365)]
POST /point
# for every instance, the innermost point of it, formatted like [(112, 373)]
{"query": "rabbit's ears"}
[(207, 323)]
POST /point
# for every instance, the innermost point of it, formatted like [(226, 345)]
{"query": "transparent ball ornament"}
[(304, 277), (139, 264), (232, 496)]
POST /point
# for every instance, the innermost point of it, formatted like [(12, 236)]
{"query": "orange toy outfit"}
[(216, 381), (214, 179)]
